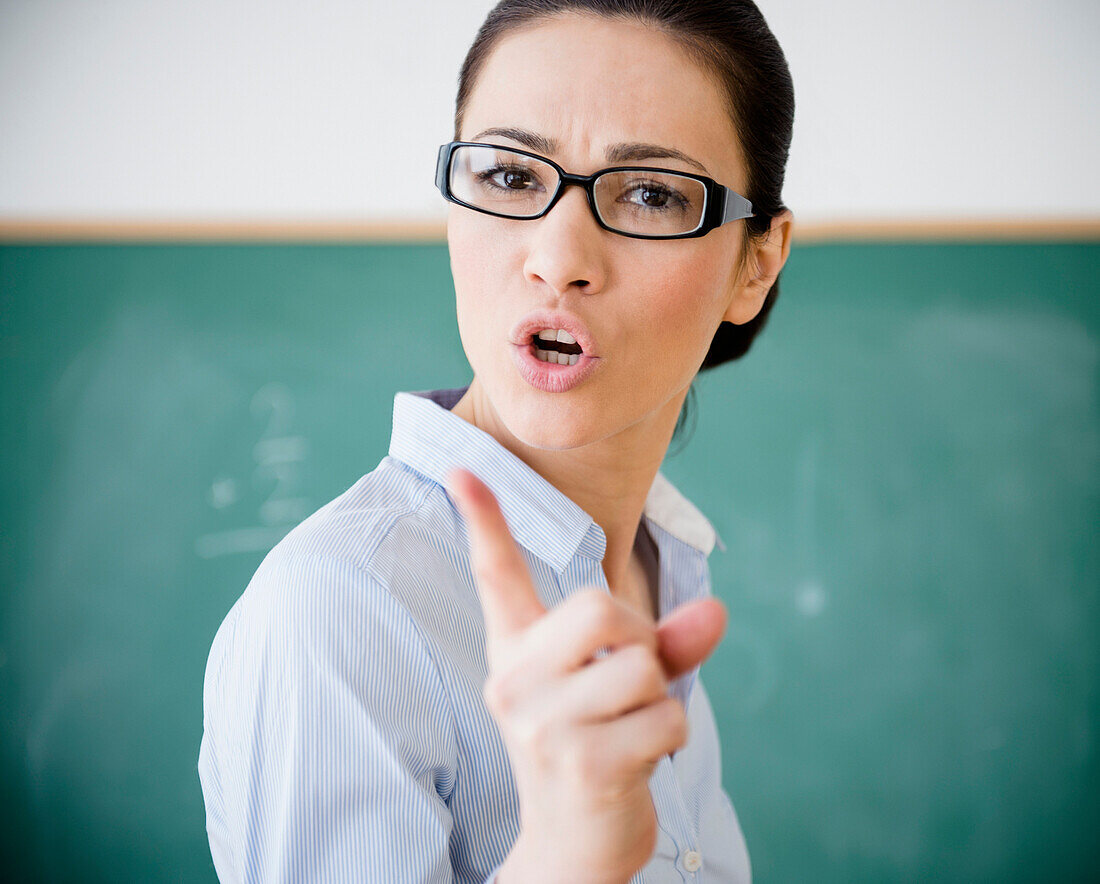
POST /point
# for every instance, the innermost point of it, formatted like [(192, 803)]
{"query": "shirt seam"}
[(364, 568), (368, 571)]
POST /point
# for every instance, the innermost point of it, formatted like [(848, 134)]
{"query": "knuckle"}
[(500, 694), (597, 611), (647, 669), (675, 721), (640, 672), (536, 737), (494, 569)]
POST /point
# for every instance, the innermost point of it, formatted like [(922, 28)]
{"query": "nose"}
[(567, 246)]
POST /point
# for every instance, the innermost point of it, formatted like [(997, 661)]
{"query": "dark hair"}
[(731, 39)]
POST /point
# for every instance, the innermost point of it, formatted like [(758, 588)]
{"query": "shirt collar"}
[(431, 439)]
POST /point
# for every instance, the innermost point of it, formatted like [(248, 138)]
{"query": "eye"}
[(653, 195), (508, 178)]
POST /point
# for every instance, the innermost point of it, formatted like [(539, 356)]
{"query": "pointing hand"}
[(584, 733)]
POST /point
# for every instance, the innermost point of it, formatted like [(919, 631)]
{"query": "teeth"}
[(557, 358), (557, 334)]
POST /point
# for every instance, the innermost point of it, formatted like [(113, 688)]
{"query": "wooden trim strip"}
[(42, 230), (866, 230), (951, 230)]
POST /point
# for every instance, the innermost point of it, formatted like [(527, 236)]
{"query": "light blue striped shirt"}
[(345, 736)]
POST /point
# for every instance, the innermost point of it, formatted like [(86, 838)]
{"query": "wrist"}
[(530, 863)]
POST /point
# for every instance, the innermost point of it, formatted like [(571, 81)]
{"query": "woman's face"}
[(651, 307)]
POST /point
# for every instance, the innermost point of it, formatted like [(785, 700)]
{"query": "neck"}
[(608, 479)]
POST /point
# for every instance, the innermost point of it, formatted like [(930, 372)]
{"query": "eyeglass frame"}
[(721, 204)]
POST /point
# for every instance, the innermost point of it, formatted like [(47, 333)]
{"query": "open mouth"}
[(560, 352), (553, 360)]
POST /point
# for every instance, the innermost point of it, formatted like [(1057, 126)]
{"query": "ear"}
[(762, 265)]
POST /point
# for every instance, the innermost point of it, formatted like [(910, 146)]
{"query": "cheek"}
[(477, 259), (479, 244), (468, 253), (685, 305)]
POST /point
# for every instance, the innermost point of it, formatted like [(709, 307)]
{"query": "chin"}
[(539, 435), (538, 425)]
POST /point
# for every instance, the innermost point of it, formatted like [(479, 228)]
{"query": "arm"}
[(328, 735)]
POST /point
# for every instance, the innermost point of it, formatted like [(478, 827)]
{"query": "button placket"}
[(672, 814)]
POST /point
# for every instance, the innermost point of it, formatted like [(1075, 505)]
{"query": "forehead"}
[(587, 82)]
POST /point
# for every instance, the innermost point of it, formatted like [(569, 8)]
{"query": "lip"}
[(533, 323), (546, 376)]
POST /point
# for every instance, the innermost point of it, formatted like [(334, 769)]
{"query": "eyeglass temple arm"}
[(736, 207), (441, 168)]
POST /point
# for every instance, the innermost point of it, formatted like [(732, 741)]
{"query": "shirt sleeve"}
[(329, 746)]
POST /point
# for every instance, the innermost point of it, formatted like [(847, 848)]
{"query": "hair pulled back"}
[(729, 38)]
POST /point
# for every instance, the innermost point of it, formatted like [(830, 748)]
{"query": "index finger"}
[(507, 592)]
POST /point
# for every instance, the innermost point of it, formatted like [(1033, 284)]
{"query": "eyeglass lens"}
[(519, 186)]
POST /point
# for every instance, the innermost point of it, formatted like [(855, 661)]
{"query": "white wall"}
[(215, 109)]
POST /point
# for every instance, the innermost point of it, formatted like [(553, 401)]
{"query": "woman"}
[(440, 678)]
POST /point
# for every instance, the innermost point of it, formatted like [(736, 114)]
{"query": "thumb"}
[(508, 597), (686, 637)]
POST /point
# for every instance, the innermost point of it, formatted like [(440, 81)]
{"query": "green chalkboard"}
[(905, 472)]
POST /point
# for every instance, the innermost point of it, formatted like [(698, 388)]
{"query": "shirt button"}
[(692, 861)]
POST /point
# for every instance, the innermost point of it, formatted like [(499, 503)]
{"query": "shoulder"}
[(351, 527), (381, 565), (395, 531)]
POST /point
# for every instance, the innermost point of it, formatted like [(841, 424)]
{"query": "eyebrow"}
[(619, 153), (538, 143), (616, 153)]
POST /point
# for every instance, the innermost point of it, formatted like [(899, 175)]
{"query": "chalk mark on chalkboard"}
[(241, 540), (278, 455), (809, 599), (810, 595), (224, 492)]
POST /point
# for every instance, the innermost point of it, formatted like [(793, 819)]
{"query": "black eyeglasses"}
[(637, 201)]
